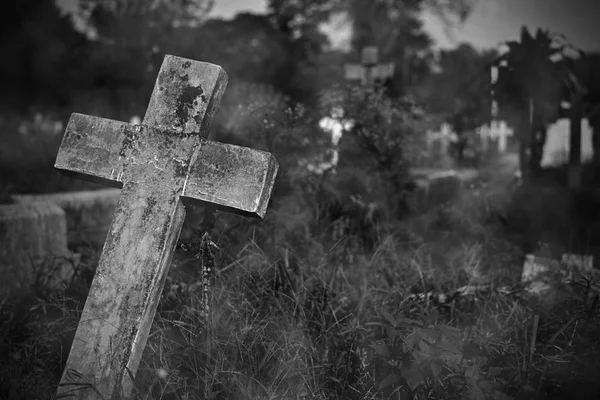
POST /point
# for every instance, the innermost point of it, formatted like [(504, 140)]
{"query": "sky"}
[(491, 23)]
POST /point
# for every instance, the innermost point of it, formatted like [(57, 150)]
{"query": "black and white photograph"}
[(300, 200)]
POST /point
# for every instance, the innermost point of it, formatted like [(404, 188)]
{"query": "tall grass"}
[(334, 296), (323, 318)]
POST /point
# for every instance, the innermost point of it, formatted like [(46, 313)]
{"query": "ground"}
[(341, 323)]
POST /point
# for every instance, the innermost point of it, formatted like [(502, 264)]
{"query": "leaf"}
[(471, 371), (391, 332), (389, 380), (419, 356), (448, 331), (448, 346), (436, 369), (412, 322), (389, 318), (381, 349), (451, 357), (413, 376), (425, 348)]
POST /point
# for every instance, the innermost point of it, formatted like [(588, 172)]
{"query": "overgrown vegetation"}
[(337, 293), (343, 291)]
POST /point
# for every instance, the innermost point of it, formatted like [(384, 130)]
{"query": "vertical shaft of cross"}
[(124, 293)]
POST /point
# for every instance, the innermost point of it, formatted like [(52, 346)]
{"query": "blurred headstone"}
[(543, 274), (579, 263), (496, 132), (34, 252), (500, 131), (438, 142), (556, 148)]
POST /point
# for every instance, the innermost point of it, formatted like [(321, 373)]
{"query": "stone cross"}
[(497, 130), (160, 165), (500, 130), (335, 126), (369, 71), (484, 136), (443, 137)]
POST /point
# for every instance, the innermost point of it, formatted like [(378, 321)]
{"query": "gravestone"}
[(89, 213), (34, 253), (496, 132), (335, 126), (438, 144), (543, 274), (557, 146), (160, 165)]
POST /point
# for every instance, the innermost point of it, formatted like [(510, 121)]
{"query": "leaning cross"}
[(158, 164)]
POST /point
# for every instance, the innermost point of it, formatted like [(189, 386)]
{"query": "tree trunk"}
[(523, 133), (575, 169), (595, 124), (527, 138), (538, 138)]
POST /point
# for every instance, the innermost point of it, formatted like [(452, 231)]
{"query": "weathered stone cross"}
[(158, 164)]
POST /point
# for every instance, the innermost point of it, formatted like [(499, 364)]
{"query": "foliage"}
[(113, 17), (39, 47), (461, 89), (536, 67), (310, 323), (394, 26), (388, 130), (532, 76)]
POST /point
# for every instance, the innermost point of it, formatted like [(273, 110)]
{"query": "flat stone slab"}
[(434, 187), (88, 213), (34, 247), (464, 174), (543, 275)]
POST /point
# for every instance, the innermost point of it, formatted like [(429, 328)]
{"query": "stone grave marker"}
[(160, 164), (335, 125), (438, 143), (496, 132), (89, 213), (34, 252), (499, 130), (557, 145), (543, 274)]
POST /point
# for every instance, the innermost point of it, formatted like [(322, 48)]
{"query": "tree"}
[(590, 64), (394, 26), (459, 90), (299, 22), (129, 39), (39, 48), (531, 77)]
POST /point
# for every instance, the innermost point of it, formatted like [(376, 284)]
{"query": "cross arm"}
[(237, 179), (84, 153)]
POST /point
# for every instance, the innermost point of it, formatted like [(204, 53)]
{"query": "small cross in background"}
[(369, 71)]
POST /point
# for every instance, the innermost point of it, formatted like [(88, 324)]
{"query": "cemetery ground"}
[(434, 310)]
